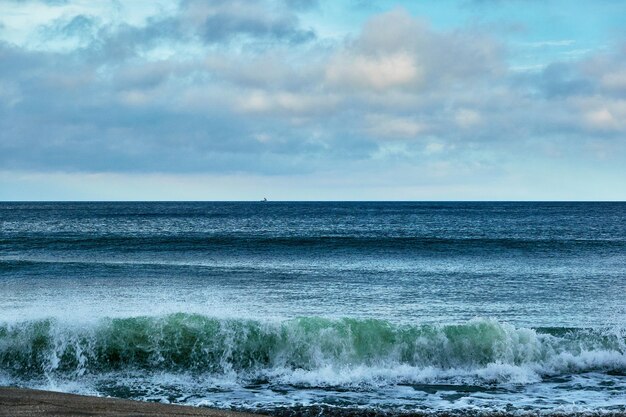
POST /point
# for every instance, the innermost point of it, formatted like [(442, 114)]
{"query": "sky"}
[(312, 100)]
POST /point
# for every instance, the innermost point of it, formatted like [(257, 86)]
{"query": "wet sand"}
[(18, 402)]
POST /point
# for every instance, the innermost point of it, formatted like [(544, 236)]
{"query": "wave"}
[(309, 350), (187, 242)]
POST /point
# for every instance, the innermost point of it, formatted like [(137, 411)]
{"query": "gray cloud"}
[(218, 21), (398, 92), (78, 25), (221, 20), (560, 79)]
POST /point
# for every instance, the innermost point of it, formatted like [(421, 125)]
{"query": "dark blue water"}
[(302, 307)]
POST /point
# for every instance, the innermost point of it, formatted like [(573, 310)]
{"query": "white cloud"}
[(31, 24), (608, 117), (467, 118), (599, 113), (135, 98), (391, 127), (373, 72), (550, 43), (615, 80), (434, 148), (396, 50), (249, 98), (285, 103)]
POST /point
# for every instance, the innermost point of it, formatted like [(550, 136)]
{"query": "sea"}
[(319, 308)]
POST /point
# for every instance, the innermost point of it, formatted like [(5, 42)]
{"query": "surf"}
[(309, 350)]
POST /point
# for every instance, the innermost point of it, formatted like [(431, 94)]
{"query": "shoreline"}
[(25, 402)]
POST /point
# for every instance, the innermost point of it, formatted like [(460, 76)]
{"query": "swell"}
[(154, 242), (307, 350)]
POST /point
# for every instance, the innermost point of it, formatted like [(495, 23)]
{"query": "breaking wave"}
[(308, 351)]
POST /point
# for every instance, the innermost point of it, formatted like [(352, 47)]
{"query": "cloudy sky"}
[(312, 100)]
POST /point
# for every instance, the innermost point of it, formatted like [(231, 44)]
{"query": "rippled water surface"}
[(329, 308)]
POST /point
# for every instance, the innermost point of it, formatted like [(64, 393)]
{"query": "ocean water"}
[(319, 308)]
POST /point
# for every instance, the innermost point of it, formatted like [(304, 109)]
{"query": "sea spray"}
[(308, 350)]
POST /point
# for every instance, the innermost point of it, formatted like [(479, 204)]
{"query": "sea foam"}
[(309, 350)]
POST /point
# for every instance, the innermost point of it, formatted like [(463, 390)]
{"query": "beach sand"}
[(18, 402)]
